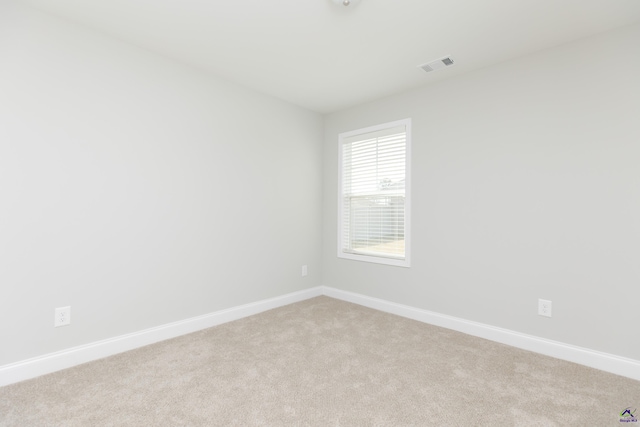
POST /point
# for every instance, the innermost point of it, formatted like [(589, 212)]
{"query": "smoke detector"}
[(438, 64)]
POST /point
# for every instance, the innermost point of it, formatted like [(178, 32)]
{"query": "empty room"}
[(319, 212)]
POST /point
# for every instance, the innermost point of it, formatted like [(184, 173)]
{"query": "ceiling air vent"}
[(438, 64)]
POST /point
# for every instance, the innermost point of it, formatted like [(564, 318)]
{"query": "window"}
[(374, 208)]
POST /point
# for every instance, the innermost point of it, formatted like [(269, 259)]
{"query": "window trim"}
[(378, 259)]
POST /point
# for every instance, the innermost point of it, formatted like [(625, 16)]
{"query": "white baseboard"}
[(52, 362), (603, 361)]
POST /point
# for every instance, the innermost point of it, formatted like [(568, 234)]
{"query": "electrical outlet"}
[(63, 316), (544, 307), (304, 270)]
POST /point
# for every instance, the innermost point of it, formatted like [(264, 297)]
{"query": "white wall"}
[(140, 191), (526, 185)]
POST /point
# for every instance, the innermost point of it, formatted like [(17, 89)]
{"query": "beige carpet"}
[(322, 362)]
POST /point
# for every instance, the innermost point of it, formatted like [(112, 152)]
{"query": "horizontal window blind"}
[(373, 193)]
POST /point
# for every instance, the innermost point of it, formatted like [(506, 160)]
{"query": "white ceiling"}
[(327, 57)]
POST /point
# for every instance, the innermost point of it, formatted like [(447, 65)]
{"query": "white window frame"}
[(375, 258)]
